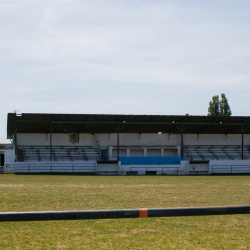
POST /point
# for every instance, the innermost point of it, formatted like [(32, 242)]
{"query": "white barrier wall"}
[(39, 167), (9, 155), (203, 139), (106, 140), (103, 139), (185, 168), (229, 166), (57, 140), (107, 169), (160, 169)]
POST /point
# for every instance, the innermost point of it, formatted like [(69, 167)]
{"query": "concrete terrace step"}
[(222, 152), (59, 153)]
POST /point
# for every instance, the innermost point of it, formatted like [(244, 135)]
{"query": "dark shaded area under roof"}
[(99, 123)]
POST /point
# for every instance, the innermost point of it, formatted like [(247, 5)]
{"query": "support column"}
[(110, 152), (182, 140), (162, 152), (118, 149), (50, 140), (145, 153), (128, 152), (242, 142), (179, 151), (15, 140)]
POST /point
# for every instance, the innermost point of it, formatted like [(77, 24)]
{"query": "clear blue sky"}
[(123, 57)]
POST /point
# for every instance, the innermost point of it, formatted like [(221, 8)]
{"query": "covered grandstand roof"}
[(100, 123)]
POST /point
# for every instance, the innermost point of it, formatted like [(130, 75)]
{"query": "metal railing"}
[(50, 167), (187, 152), (231, 169), (60, 158)]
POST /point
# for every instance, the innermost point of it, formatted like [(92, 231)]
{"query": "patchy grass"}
[(48, 193)]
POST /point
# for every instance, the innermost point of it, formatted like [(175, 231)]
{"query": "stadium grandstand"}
[(126, 144)]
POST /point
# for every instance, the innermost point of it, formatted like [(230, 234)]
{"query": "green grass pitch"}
[(63, 192)]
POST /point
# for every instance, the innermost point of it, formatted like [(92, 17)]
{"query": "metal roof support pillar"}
[(118, 142), (50, 140), (15, 140), (182, 140), (242, 142)]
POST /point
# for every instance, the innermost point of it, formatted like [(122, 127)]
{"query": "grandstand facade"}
[(128, 144)]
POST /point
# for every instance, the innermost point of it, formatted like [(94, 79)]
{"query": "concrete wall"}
[(9, 155), (160, 169), (152, 152), (37, 167), (136, 153), (107, 169), (106, 140), (171, 153), (219, 166), (229, 166), (136, 139), (57, 140), (91, 167), (215, 139)]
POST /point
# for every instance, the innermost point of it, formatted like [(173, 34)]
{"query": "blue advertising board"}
[(150, 160)]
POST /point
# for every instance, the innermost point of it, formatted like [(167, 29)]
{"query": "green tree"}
[(213, 108), (219, 107), (224, 106)]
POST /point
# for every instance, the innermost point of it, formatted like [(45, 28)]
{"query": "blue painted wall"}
[(150, 160)]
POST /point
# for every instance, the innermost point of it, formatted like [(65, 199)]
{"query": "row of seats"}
[(58, 153), (216, 152)]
